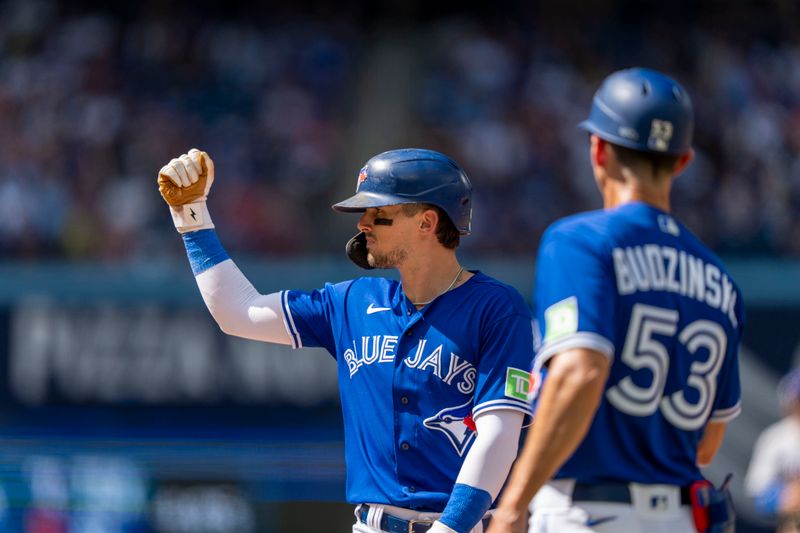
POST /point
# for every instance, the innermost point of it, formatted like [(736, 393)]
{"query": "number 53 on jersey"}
[(649, 329)]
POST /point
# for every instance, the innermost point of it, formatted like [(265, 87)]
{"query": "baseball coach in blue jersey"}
[(433, 369), (640, 326)]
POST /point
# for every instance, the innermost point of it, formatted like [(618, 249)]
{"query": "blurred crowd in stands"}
[(93, 103), (505, 102)]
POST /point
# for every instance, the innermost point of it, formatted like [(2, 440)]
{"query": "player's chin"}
[(378, 261), (388, 260)]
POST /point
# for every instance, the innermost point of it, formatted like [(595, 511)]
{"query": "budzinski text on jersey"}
[(653, 267)]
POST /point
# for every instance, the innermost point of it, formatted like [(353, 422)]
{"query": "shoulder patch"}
[(561, 319), (518, 384)]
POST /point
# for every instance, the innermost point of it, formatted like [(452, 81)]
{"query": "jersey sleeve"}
[(503, 371), (727, 402), (574, 296), (310, 316)]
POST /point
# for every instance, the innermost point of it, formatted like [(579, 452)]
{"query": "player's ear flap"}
[(356, 250)]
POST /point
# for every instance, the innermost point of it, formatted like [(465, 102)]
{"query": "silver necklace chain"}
[(448, 289)]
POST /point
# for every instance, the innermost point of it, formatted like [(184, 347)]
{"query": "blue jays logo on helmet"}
[(451, 422), (362, 177)]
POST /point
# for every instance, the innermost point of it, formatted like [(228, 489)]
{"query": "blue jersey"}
[(409, 380), (637, 286)]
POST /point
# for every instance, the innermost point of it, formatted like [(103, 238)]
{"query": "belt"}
[(613, 492), (395, 524)]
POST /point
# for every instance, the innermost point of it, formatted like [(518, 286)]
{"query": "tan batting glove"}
[(184, 183)]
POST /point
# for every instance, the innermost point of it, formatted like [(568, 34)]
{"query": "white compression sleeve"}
[(489, 460), (237, 306)]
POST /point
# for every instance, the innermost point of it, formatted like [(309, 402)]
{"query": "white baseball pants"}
[(553, 511)]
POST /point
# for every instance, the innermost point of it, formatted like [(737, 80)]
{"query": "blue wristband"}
[(466, 507), (204, 250)]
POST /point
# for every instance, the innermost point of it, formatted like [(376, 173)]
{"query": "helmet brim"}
[(361, 201)]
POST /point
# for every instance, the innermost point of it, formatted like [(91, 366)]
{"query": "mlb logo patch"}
[(659, 502), (668, 225), (362, 177)]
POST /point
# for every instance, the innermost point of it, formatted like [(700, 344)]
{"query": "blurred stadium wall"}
[(125, 409)]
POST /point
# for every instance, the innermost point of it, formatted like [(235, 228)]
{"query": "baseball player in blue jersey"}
[(640, 326), (432, 369)]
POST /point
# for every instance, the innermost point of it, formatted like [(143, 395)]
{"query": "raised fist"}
[(186, 179)]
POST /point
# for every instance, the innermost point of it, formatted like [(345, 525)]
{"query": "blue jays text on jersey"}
[(411, 379), (634, 284), (382, 349)]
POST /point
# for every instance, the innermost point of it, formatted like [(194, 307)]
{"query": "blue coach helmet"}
[(410, 176), (644, 110)]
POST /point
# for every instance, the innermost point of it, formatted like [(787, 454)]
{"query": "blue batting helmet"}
[(644, 110), (410, 176)]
